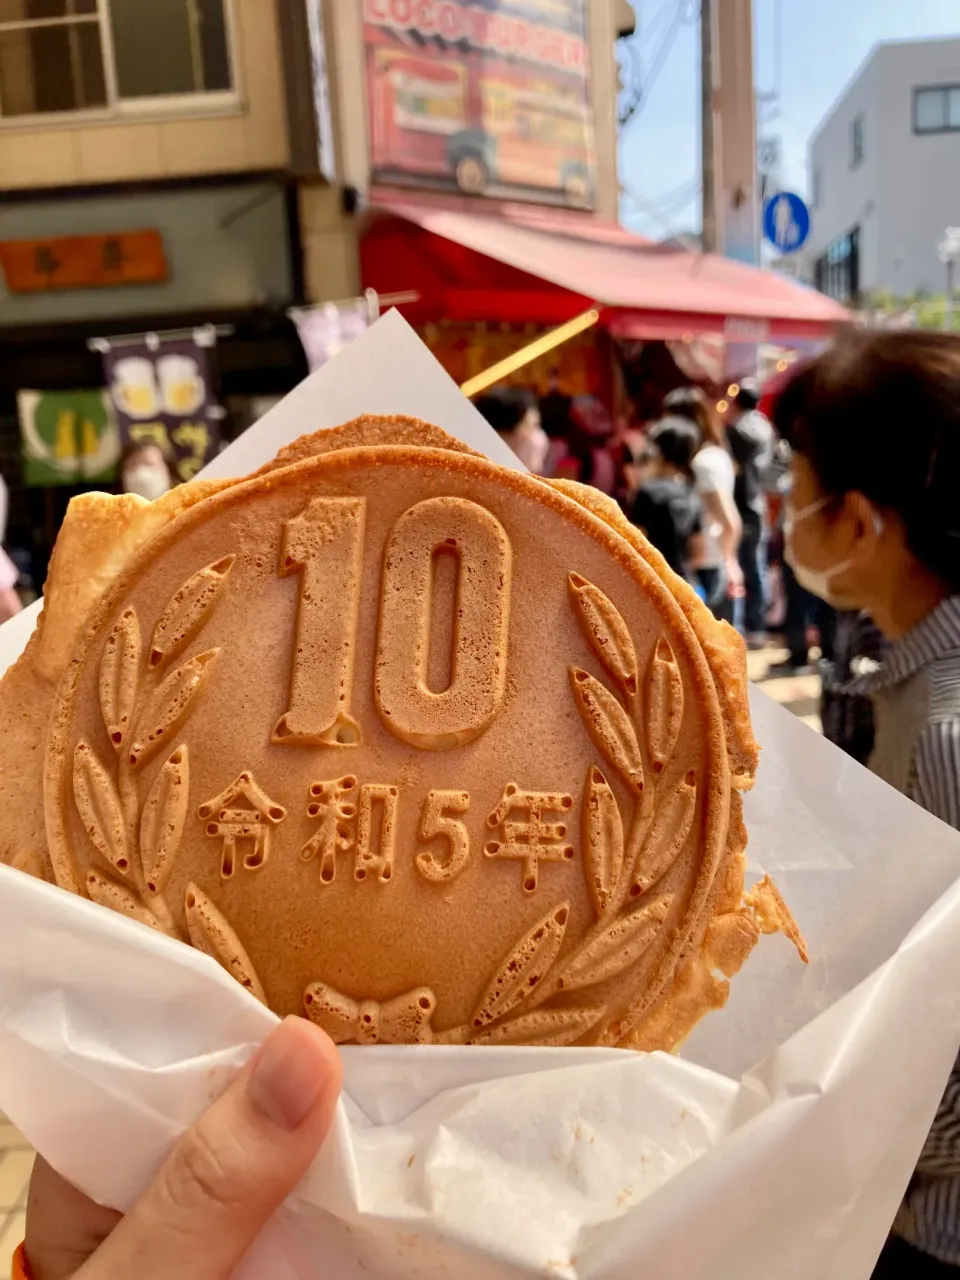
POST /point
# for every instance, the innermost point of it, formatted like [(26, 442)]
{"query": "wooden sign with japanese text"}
[(83, 262)]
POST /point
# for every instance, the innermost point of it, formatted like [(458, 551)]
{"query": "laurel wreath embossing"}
[(636, 732), (143, 708), (209, 932)]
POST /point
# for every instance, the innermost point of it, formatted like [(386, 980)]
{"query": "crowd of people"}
[(707, 490)]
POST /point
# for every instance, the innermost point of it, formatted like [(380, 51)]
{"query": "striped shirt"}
[(916, 696), (847, 715)]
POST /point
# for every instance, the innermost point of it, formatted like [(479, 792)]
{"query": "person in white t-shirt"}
[(717, 567)]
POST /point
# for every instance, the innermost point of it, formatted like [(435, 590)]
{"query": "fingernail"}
[(289, 1074)]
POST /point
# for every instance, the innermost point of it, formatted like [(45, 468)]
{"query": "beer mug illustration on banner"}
[(181, 387), (134, 387)]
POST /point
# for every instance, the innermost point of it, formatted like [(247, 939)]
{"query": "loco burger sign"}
[(488, 97)]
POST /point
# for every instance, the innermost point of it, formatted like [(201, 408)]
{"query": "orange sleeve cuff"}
[(21, 1271)]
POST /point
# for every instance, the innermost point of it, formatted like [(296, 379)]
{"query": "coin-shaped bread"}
[(418, 746)]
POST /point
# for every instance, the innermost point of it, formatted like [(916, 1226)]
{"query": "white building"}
[(885, 173)]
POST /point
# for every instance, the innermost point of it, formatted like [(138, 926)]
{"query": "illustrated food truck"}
[(478, 125)]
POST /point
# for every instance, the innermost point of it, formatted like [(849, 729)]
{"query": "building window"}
[(83, 55), (837, 272), (856, 141), (816, 194), (936, 109)]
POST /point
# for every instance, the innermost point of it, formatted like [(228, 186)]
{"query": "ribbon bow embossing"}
[(403, 1020)]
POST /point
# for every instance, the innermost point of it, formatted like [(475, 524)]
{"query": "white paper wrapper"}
[(475, 1164)]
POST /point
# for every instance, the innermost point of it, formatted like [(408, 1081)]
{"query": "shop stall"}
[(489, 285)]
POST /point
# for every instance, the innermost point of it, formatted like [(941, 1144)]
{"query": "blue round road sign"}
[(786, 221)]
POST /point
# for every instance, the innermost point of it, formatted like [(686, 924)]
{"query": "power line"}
[(653, 212), (642, 81), (768, 100), (679, 195), (668, 204), (668, 196), (666, 11), (778, 47), (666, 23), (666, 44)]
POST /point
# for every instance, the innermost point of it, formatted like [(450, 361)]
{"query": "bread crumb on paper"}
[(774, 916)]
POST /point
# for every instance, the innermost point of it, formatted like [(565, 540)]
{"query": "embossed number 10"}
[(325, 546)]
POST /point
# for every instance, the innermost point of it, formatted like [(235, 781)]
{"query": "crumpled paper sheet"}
[(475, 1164)]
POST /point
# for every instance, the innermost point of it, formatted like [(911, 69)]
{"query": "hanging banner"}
[(325, 330), (488, 97), (67, 437), (162, 394)]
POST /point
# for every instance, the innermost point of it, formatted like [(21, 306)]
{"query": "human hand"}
[(734, 578), (221, 1183)]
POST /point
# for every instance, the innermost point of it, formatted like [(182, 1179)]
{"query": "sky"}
[(822, 42)]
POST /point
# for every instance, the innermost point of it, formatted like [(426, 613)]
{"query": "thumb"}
[(236, 1165)]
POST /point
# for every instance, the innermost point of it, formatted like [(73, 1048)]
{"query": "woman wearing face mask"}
[(874, 524), (144, 470)]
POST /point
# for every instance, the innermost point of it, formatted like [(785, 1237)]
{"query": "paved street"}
[(799, 694)]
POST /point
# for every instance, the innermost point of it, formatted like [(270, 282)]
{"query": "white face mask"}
[(816, 581), (147, 481)]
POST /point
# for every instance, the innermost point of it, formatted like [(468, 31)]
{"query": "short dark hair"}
[(747, 397), (691, 402), (879, 414), (505, 407), (678, 440)]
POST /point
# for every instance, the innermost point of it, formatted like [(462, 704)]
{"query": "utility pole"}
[(709, 234), (735, 131)]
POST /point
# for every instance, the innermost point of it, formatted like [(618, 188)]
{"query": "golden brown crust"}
[(722, 645), (121, 538), (99, 536), (774, 916), (101, 532), (680, 917), (698, 986), (369, 429), (701, 985), (25, 702)]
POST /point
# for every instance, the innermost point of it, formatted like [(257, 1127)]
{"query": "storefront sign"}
[(83, 262), (491, 97), (67, 437), (161, 394), (324, 331)]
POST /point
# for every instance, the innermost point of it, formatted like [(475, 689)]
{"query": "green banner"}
[(67, 437)]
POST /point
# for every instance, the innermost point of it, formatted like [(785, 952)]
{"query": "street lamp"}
[(949, 253)]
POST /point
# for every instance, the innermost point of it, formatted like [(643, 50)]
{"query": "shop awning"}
[(540, 266)]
